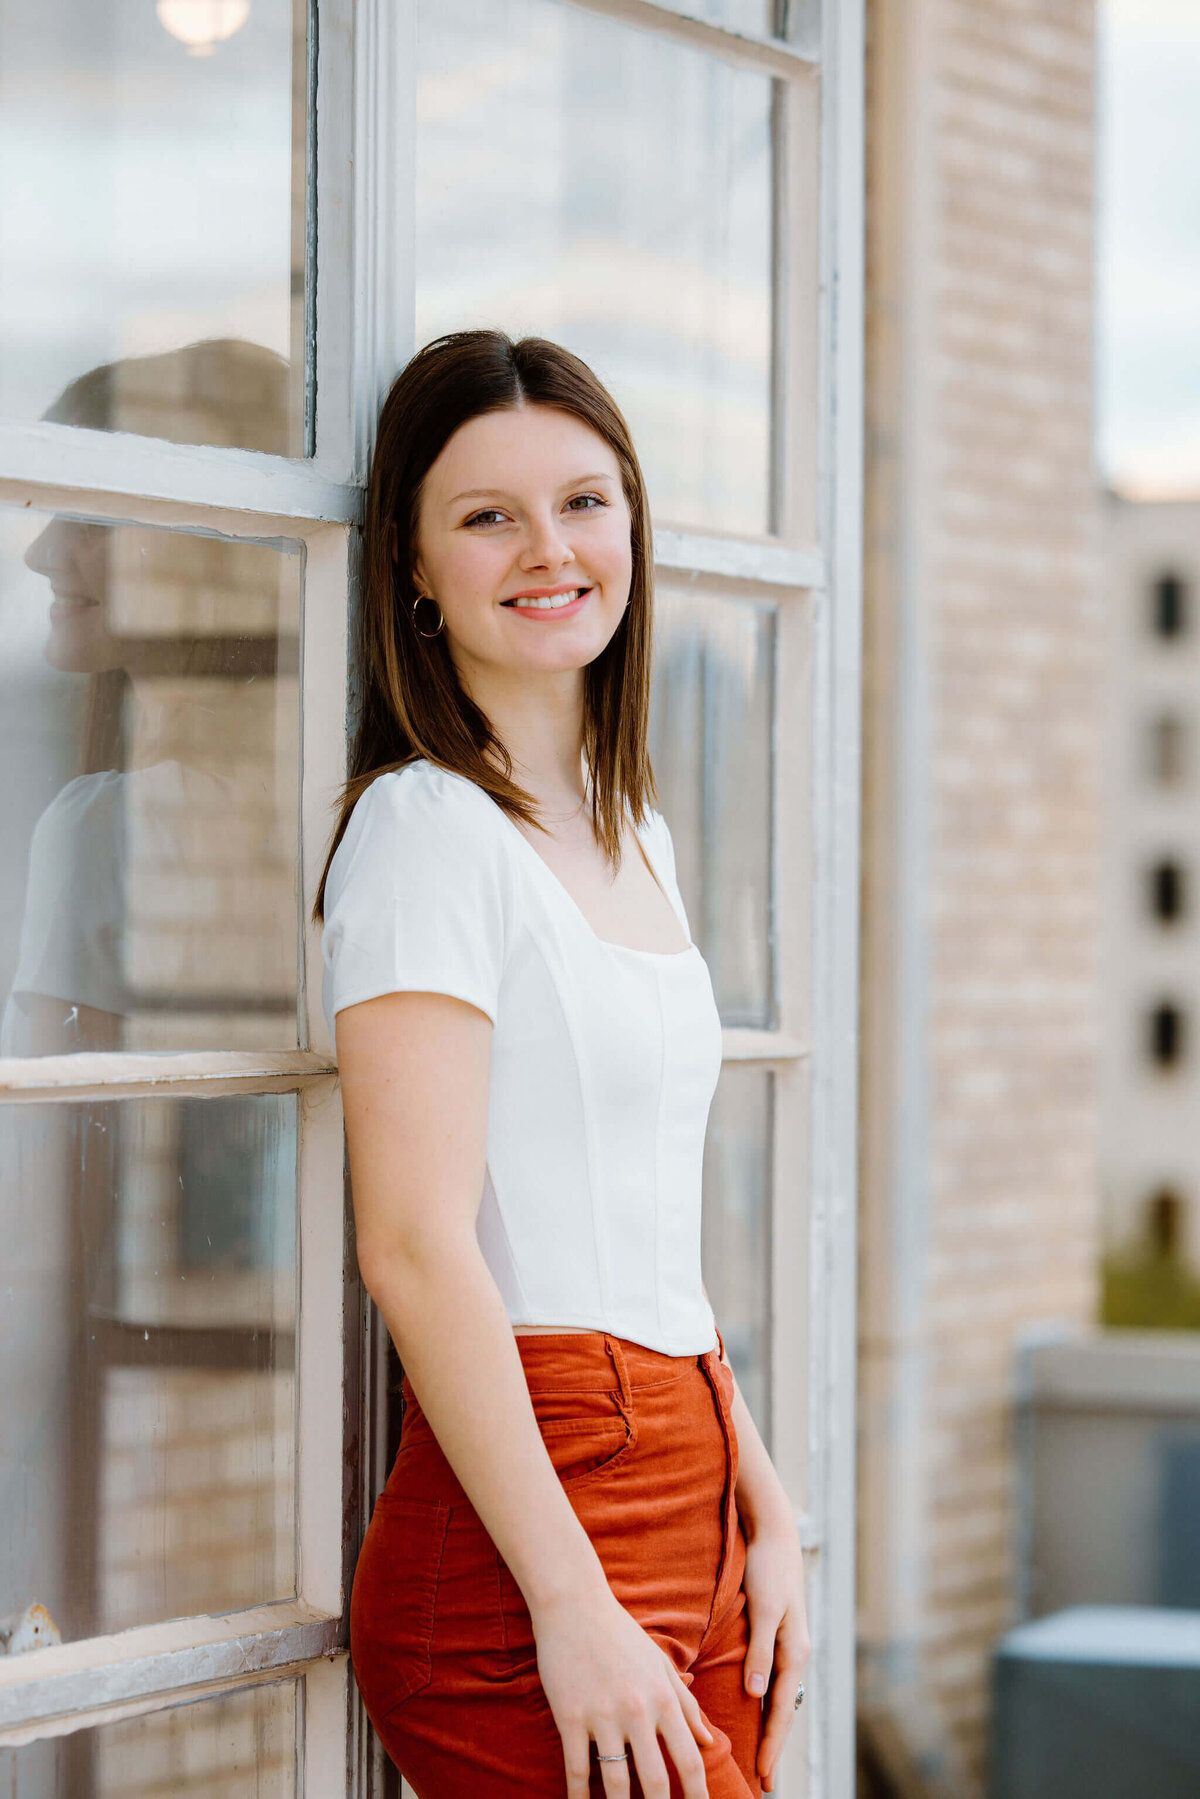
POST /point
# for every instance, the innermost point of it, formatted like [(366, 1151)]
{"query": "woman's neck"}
[(543, 733)]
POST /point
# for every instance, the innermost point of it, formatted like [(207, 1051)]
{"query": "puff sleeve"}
[(417, 897)]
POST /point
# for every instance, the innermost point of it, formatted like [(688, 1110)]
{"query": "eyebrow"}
[(498, 493)]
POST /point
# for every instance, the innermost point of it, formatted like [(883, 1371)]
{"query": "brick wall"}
[(983, 799)]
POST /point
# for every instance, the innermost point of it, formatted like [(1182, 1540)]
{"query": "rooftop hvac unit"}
[(1098, 1702)]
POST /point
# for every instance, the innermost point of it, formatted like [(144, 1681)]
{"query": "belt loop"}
[(613, 1347)]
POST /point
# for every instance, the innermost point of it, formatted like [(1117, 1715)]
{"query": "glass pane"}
[(152, 243), (737, 1228), (147, 1325), (149, 734), (242, 1745), (585, 181), (711, 730)]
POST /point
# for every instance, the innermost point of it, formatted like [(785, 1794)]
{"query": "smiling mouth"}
[(547, 602), (72, 602)]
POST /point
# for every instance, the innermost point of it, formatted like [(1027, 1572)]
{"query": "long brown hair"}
[(411, 702)]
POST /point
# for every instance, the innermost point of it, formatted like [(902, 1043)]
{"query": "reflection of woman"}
[(582, 1540), (70, 987), (66, 991)]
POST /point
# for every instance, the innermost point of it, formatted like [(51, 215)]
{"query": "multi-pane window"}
[(170, 1144), (225, 228), (618, 190)]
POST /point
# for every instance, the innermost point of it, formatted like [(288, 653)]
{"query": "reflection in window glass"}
[(152, 273), (589, 182), (242, 1745), (737, 1228), (147, 1328), (711, 728), (149, 729)]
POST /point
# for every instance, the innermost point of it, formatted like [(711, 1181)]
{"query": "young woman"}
[(582, 1547)]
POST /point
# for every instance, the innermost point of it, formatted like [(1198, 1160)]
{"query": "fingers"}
[(691, 1709), (780, 1716), (689, 1763), (577, 1755), (615, 1774), (760, 1657), (652, 1770)]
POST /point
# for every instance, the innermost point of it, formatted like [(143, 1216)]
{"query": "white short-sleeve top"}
[(604, 1059)]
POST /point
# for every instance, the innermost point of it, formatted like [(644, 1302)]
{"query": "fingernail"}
[(758, 1685)]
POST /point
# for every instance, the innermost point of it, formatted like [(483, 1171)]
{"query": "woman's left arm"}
[(773, 1583)]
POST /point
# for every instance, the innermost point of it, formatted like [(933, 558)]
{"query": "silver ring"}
[(799, 1696), (623, 1757)]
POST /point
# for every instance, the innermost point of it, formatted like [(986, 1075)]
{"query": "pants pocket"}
[(394, 1600), (586, 1433)]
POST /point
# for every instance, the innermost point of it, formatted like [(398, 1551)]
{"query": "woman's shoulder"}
[(420, 814), (424, 794)]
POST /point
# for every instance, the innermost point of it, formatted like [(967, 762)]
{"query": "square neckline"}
[(628, 949)]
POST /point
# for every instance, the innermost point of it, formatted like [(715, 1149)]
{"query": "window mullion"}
[(168, 1659), (774, 55), (130, 1073), (740, 1044), (738, 559), (66, 467)]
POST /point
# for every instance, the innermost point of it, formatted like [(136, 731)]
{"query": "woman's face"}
[(73, 556), (524, 504)]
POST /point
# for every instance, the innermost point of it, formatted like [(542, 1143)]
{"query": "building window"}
[(1167, 1034), (1170, 606), (1167, 749), (1168, 891)]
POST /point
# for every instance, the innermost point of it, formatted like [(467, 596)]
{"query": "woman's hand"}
[(606, 1678), (779, 1643)]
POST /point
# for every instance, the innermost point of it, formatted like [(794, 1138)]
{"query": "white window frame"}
[(365, 283)]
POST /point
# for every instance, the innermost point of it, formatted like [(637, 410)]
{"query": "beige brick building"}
[(982, 876)]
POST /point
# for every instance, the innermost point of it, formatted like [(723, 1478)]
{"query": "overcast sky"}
[(1148, 226)]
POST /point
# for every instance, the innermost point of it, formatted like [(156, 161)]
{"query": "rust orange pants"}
[(441, 1640)]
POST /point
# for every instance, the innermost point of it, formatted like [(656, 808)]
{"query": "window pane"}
[(239, 1746), (737, 1228), (147, 1326), (149, 729), (602, 186), (711, 729), (152, 269)]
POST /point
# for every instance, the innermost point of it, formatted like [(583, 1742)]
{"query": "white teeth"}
[(551, 605)]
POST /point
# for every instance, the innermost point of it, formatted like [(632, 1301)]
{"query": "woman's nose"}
[(546, 545), (40, 555)]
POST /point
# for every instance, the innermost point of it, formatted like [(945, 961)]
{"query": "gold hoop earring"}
[(441, 616)]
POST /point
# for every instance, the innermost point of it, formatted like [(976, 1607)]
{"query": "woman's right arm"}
[(415, 1071)]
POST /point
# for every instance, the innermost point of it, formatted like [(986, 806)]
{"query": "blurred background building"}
[(1029, 981)]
